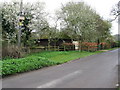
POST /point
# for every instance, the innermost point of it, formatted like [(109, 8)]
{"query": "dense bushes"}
[(13, 66), (92, 46), (89, 46), (12, 51), (117, 44)]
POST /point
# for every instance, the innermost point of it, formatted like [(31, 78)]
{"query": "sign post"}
[(21, 18)]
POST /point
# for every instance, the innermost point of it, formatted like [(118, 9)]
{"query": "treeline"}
[(76, 21)]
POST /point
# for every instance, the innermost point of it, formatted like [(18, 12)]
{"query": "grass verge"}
[(64, 56), (40, 60), (112, 48), (13, 66)]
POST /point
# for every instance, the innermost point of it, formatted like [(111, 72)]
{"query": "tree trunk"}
[(79, 48), (64, 48), (55, 45), (49, 44), (80, 43)]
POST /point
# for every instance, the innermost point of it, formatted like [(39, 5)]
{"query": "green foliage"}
[(79, 21), (8, 18), (39, 60), (13, 66), (33, 14), (63, 56), (82, 23), (26, 32), (117, 44)]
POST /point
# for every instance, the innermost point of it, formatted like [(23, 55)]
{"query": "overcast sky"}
[(103, 7)]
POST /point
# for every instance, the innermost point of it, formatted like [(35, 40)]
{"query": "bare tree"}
[(115, 11)]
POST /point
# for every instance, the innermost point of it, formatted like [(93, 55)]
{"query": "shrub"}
[(117, 44), (13, 66), (12, 51), (89, 46)]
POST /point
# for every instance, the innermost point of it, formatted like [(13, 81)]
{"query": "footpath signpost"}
[(21, 18)]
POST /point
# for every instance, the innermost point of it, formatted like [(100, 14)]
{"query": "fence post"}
[(46, 48), (58, 48), (88, 48), (64, 48), (54, 48)]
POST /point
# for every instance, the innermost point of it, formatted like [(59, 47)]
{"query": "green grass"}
[(40, 60), (112, 48), (63, 56)]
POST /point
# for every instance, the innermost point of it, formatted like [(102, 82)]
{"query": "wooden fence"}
[(52, 48)]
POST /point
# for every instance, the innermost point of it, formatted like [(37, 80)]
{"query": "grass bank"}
[(63, 56), (40, 60)]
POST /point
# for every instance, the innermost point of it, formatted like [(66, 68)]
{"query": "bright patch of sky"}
[(102, 7)]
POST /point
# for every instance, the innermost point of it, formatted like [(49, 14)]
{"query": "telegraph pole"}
[(20, 25)]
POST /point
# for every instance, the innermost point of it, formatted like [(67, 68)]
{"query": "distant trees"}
[(77, 20), (115, 12), (82, 23)]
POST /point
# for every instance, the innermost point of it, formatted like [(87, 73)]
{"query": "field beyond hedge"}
[(39, 60)]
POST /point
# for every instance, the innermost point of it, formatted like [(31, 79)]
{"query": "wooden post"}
[(64, 48), (58, 48), (54, 48)]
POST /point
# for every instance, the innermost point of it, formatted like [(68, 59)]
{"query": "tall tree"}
[(9, 21), (79, 21), (32, 12)]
